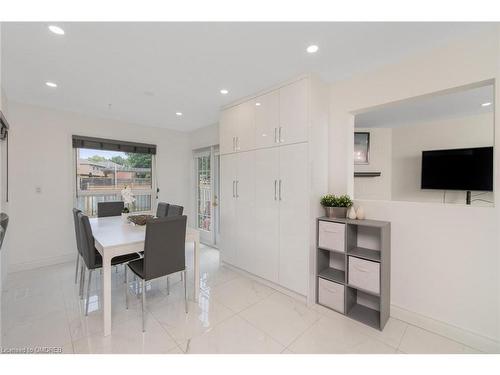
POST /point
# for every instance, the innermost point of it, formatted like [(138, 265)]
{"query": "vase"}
[(360, 213), (125, 217), (351, 214), (336, 212)]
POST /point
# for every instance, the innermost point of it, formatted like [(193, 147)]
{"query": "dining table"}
[(115, 236)]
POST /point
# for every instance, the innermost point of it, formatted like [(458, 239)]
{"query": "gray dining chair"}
[(164, 254), (91, 258), (162, 209), (174, 210), (113, 208), (78, 246)]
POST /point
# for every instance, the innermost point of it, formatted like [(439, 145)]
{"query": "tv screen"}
[(458, 169)]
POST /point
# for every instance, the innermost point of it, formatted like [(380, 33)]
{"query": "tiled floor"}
[(234, 315)]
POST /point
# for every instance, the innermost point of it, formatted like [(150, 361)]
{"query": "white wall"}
[(445, 258), (204, 137), (41, 154), (380, 160)]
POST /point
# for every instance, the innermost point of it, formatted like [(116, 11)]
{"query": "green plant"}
[(126, 210), (331, 200)]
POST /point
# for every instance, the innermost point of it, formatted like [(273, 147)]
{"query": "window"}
[(204, 192), (101, 175), (361, 147)]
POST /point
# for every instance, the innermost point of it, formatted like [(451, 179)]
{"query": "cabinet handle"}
[(233, 188), (280, 189), (233, 145), (275, 135), (237, 195), (275, 190), (361, 269), (280, 140), (237, 143)]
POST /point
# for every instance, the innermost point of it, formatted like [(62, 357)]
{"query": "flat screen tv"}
[(458, 169)]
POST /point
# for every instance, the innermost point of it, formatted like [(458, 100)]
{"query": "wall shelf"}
[(364, 253), (365, 315), (333, 274)]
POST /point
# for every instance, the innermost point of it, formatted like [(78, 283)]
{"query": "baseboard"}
[(474, 340), (268, 283), (16, 267)]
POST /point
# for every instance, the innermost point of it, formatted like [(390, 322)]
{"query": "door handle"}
[(233, 143), (275, 135), (275, 190), (280, 189), (280, 140), (237, 143), (233, 189), (237, 195)]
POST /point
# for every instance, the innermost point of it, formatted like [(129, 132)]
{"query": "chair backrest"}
[(77, 230), (4, 222), (87, 241), (114, 208), (164, 246), (174, 210), (162, 209)]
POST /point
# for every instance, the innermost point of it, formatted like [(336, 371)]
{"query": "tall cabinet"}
[(273, 171)]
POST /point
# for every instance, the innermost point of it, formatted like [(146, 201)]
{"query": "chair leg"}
[(88, 294), (143, 303), (126, 288), (76, 270), (82, 280), (185, 290), (168, 286)]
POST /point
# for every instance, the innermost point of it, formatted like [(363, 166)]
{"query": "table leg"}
[(106, 263), (196, 269)]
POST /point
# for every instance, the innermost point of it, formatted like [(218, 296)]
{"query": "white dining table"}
[(113, 236)]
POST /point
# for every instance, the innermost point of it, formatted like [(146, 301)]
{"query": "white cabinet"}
[(227, 130), (267, 214), (293, 196), (267, 119), (227, 201), (237, 128), (245, 210), (294, 116)]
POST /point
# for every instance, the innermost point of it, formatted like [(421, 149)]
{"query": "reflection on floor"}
[(234, 315)]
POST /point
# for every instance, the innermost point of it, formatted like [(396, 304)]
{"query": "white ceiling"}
[(149, 71), (408, 112)]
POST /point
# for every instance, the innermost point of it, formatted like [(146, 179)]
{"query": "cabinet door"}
[(294, 249), (267, 218), (228, 125), (245, 131), (245, 211), (227, 201), (293, 112), (267, 117)]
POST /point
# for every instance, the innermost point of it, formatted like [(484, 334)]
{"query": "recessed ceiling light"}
[(257, 104), (313, 48), (51, 84), (56, 30), (178, 113), (224, 92), (487, 104)]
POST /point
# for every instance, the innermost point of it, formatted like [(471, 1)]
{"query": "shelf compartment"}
[(333, 274), (365, 315), (364, 253), (332, 251)]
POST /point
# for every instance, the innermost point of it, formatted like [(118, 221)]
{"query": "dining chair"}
[(174, 210), (164, 254), (78, 246), (113, 208), (162, 209), (91, 258)]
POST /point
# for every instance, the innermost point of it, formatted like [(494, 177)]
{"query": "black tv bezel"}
[(458, 149)]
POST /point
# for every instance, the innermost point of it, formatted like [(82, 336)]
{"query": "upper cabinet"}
[(293, 105), (276, 118), (228, 125), (267, 119)]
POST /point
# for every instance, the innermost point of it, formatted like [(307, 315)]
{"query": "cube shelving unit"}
[(353, 272)]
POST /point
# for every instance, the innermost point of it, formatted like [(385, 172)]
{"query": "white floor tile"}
[(419, 341), (234, 336), (240, 293), (281, 317)]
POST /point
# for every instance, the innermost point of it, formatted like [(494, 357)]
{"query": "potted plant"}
[(336, 206), (128, 200)]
